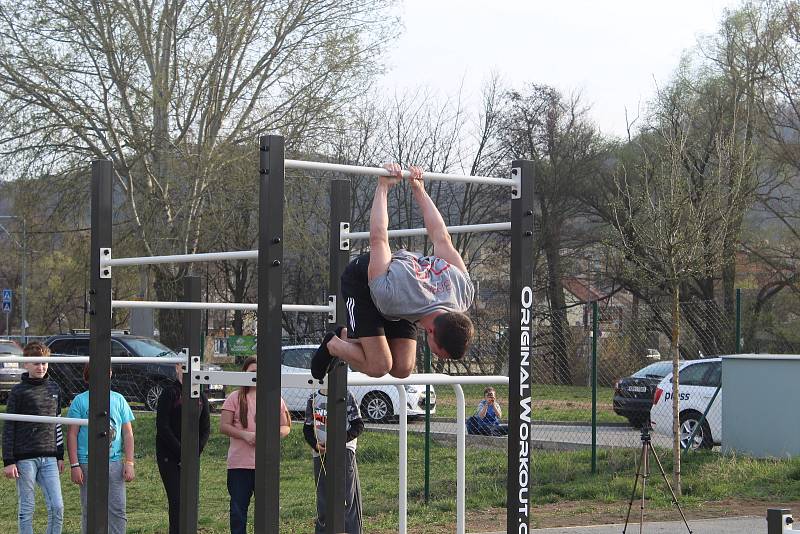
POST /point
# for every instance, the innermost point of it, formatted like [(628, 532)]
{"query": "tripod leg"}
[(645, 474), (633, 493), (671, 491)]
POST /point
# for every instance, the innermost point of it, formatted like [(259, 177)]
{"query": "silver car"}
[(10, 373)]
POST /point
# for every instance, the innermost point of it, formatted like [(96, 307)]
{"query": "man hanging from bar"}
[(387, 294)]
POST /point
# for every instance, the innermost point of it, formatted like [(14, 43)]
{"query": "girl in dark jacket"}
[(168, 442)]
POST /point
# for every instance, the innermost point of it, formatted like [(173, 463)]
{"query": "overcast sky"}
[(613, 51)]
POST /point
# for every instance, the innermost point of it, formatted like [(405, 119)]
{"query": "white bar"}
[(43, 419), (403, 460), (461, 460), (380, 171), (154, 304), (304, 380), (462, 229), (85, 359), (182, 258)]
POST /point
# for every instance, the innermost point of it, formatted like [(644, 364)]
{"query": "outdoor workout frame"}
[(270, 307)]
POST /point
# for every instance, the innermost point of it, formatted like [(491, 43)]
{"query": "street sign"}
[(7, 295), (6, 307)]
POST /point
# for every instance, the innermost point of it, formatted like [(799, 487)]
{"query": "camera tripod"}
[(643, 470)]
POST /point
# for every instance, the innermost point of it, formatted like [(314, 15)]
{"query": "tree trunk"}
[(169, 288), (558, 314), (729, 300), (676, 425)]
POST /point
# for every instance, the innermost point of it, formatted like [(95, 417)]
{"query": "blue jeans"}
[(241, 485), (42, 471), (117, 499)]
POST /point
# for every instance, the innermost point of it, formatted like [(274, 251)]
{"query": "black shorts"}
[(363, 317)]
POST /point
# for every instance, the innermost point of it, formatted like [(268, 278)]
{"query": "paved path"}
[(579, 435), (728, 525)]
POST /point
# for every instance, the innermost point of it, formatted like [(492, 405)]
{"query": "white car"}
[(697, 382), (377, 403)]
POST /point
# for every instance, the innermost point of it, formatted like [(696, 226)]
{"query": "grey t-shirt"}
[(417, 285)]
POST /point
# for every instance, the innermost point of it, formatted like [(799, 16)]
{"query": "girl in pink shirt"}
[(238, 421)]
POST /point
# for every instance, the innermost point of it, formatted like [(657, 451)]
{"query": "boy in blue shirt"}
[(487, 417), (120, 455)]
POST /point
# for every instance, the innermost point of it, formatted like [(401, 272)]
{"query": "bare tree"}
[(166, 88), (671, 231)]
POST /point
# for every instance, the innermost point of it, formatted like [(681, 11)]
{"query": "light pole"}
[(23, 296)]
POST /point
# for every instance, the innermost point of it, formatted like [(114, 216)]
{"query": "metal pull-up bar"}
[(380, 171), (166, 305), (462, 229)]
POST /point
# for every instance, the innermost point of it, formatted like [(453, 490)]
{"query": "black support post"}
[(99, 349), (520, 342), (270, 300), (190, 413), (335, 458)]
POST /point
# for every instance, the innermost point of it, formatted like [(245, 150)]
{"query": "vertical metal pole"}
[(190, 414), (24, 302), (427, 424), (99, 350), (595, 314), (270, 298), (738, 320), (520, 342), (337, 378)]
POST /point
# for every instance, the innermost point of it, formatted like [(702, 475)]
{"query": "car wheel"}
[(377, 407), (151, 396), (702, 437)]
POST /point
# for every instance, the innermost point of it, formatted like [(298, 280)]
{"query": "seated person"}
[(486, 420)]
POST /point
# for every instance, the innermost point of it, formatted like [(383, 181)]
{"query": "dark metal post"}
[(99, 349), (336, 465), (595, 333), (520, 342), (427, 424), (738, 320), (270, 299), (190, 414)]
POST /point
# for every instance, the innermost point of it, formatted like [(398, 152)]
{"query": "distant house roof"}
[(581, 289)]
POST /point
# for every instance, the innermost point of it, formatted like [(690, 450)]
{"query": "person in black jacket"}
[(33, 453), (315, 430), (168, 442)]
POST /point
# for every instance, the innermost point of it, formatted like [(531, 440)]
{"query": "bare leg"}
[(404, 356), (377, 364)]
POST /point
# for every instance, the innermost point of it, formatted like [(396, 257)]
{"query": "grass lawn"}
[(550, 403), (559, 477)]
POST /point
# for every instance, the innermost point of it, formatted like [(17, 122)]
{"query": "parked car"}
[(633, 395), (136, 382), (378, 403), (10, 372), (697, 382)]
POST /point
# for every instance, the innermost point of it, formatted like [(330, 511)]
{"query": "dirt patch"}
[(579, 513)]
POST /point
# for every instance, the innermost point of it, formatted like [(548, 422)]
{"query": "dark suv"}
[(136, 382)]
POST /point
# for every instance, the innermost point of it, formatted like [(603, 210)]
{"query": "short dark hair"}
[(453, 332), (36, 348)]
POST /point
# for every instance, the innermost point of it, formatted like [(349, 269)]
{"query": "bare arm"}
[(434, 224), (227, 428), (127, 445), (380, 255), (286, 422), (75, 473)]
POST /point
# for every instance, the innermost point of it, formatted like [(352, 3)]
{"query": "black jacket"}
[(168, 423), (23, 440)]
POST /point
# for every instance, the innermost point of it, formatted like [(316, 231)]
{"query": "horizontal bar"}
[(380, 171), (304, 380), (86, 359), (154, 304), (463, 229), (182, 258), (43, 419)]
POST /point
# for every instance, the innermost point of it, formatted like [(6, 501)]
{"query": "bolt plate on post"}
[(105, 270), (344, 231), (516, 177), (332, 313)]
